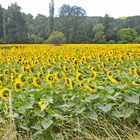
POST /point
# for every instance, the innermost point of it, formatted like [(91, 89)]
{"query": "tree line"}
[(71, 24)]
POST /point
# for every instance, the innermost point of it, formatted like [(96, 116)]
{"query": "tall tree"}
[(16, 29), (51, 16), (41, 26), (1, 22), (99, 34), (72, 20)]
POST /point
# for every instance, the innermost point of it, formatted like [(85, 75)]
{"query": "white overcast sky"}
[(115, 8)]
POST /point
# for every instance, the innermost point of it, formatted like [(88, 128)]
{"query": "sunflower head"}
[(23, 69), (22, 78), (37, 82), (58, 76), (4, 93), (39, 75), (1, 77), (109, 73), (93, 75), (30, 80), (89, 88), (5, 72), (17, 86), (66, 69), (92, 68)]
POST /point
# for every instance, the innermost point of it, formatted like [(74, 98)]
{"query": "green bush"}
[(127, 35), (111, 42), (56, 38), (137, 40)]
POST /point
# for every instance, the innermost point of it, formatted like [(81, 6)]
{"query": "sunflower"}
[(75, 62), (58, 76), (69, 83), (29, 80), (92, 69), (73, 67), (89, 88), (94, 75), (12, 77), (81, 84), (131, 71), (113, 79), (22, 78), (137, 83), (17, 86), (15, 71), (79, 76), (23, 69), (49, 79), (28, 68), (39, 75), (37, 82), (4, 93), (60, 65), (5, 72), (1, 77), (42, 69), (136, 72), (89, 67), (66, 69), (99, 59)]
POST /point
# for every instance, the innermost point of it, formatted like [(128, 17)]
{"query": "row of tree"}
[(72, 25)]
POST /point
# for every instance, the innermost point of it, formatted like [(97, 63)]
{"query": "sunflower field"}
[(69, 92)]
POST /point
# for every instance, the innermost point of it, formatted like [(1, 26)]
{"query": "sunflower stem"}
[(11, 119)]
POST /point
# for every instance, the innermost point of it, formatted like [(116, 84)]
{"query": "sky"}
[(115, 8)]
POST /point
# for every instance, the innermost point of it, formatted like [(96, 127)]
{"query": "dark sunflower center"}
[(23, 79), (80, 77), (38, 82), (6, 93), (18, 85)]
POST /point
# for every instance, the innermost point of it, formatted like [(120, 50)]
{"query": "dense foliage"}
[(70, 92), (56, 38), (18, 27)]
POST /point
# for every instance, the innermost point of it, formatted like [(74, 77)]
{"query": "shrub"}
[(111, 42), (137, 40), (56, 38), (127, 35)]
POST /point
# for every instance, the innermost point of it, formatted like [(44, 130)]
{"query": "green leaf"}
[(15, 115), (93, 116), (138, 119), (57, 136), (110, 90), (133, 99), (36, 127), (38, 133), (79, 111), (24, 128), (128, 112), (92, 97), (105, 108), (58, 116), (46, 124), (121, 86), (117, 114), (100, 87)]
